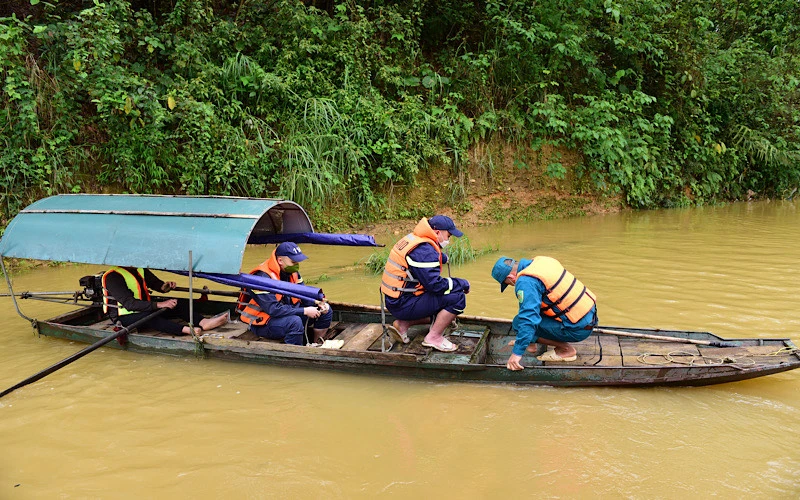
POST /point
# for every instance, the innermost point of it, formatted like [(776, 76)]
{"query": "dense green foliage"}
[(669, 103)]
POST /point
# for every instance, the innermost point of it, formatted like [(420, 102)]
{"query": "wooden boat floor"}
[(358, 337), (477, 346)]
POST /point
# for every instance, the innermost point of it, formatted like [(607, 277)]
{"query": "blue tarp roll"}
[(353, 240), (261, 283)]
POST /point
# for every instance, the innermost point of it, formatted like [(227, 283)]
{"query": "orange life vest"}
[(251, 312), (396, 276), (135, 283), (568, 296)]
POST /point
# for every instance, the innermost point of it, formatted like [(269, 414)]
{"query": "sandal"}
[(552, 356), (396, 335), (444, 346)]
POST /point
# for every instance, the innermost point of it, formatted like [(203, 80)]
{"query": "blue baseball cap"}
[(501, 270), (444, 223), (289, 249)]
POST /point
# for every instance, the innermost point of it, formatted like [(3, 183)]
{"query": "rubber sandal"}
[(552, 356), (396, 335), (445, 346)]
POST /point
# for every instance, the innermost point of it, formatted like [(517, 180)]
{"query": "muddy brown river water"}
[(123, 425)]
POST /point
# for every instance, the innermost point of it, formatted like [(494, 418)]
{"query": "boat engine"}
[(92, 287)]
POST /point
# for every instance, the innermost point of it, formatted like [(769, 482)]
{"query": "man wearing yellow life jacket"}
[(555, 308), (413, 285), (277, 316), (126, 299)]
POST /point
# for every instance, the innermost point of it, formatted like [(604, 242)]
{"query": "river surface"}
[(123, 425)]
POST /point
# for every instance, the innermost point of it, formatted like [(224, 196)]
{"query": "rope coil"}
[(745, 359)]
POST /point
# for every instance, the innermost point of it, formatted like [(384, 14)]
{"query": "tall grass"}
[(458, 253), (319, 155)]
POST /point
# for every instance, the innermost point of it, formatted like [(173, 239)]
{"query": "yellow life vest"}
[(135, 283), (251, 312), (568, 296), (396, 276)]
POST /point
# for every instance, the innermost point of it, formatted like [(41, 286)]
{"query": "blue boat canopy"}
[(157, 232)]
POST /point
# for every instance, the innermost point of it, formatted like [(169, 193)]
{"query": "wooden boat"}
[(609, 357), (483, 348)]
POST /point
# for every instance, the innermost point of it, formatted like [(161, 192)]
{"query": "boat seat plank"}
[(364, 337), (470, 339), (588, 352), (349, 331), (501, 346), (610, 351), (648, 353)]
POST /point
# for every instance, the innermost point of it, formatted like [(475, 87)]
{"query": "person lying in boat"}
[(414, 287), (554, 307), (277, 316), (126, 299)]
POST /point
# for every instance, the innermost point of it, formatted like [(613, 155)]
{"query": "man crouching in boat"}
[(414, 287), (277, 316), (126, 299), (554, 307)]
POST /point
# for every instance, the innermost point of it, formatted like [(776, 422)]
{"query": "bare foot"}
[(215, 322)]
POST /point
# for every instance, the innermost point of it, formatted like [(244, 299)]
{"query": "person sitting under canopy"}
[(279, 316), (126, 299)]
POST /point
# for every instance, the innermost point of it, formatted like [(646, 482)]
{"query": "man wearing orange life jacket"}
[(277, 316), (554, 307), (413, 285), (126, 299)]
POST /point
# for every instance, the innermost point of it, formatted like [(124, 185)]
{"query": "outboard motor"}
[(92, 287)]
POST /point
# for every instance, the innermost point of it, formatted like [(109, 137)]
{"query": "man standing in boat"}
[(554, 307), (414, 287), (126, 299), (277, 316)]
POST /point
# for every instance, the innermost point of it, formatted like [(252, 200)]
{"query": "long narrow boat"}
[(610, 357)]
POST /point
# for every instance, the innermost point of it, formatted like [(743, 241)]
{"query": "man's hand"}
[(311, 312), (167, 304), (168, 286), (513, 363)]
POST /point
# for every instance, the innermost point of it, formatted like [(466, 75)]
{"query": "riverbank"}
[(502, 184)]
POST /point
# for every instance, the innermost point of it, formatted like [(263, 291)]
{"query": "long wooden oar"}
[(623, 333), (81, 353)]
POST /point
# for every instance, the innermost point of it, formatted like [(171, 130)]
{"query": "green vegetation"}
[(376, 262), (459, 252), (335, 102)]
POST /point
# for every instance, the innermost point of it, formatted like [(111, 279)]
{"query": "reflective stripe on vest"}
[(250, 311), (568, 296), (396, 276), (137, 286)]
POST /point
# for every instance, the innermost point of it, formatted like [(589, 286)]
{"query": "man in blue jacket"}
[(554, 307), (414, 287)]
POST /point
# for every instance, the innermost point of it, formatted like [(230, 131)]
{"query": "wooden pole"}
[(622, 333)]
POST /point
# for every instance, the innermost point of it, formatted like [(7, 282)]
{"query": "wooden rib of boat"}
[(483, 348)]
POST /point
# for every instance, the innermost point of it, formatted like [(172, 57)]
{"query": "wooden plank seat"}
[(471, 342)]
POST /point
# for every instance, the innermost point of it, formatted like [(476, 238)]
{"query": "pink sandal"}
[(444, 346)]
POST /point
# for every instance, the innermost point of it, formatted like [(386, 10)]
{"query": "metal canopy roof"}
[(149, 231)]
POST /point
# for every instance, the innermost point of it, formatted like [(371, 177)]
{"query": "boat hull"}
[(482, 360)]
